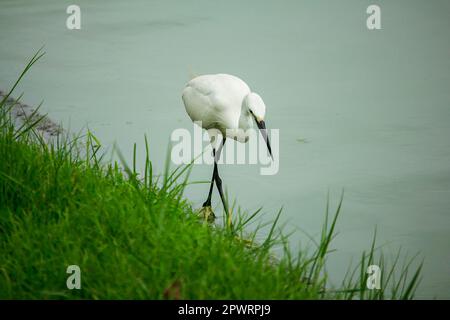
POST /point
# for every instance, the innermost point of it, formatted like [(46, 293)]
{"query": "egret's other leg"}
[(219, 187), (208, 200), (215, 177)]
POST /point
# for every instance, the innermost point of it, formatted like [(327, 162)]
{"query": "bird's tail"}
[(192, 73)]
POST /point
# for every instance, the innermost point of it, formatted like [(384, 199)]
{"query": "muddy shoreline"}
[(22, 113)]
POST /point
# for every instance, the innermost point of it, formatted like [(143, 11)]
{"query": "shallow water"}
[(373, 107)]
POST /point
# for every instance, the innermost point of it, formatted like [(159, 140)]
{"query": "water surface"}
[(368, 111)]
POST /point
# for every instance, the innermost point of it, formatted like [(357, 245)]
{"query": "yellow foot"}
[(207, 214)]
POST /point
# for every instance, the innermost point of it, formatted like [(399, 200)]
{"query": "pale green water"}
[(373, 106)]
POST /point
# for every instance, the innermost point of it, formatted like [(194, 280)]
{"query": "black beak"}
[(262, 127)]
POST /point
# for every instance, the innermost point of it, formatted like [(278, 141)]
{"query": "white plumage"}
[(222, 102), (225, 103)]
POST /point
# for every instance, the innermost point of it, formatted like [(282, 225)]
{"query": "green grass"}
[(135, 236)]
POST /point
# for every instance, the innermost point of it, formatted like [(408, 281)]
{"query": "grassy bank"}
[(134, 236)]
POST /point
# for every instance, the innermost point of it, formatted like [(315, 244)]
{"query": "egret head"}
[(257, 109), (256, 106)]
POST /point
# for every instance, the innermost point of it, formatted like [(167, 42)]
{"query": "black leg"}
[(217, 179), (208, 200), (219, 187)]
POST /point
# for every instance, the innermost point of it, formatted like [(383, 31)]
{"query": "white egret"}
[(224, 103)]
